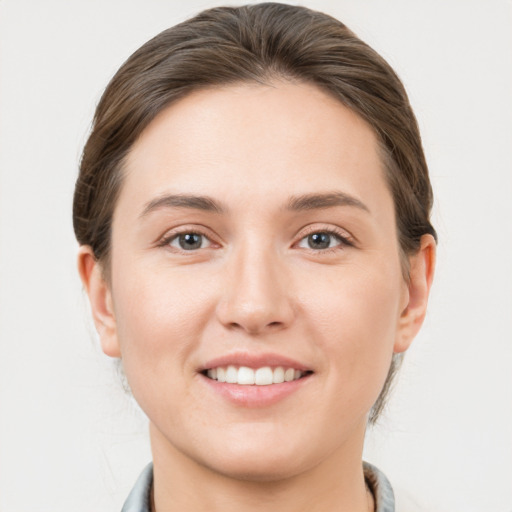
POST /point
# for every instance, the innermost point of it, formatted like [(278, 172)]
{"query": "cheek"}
[(361, 301), (160, 317), (355, 321)]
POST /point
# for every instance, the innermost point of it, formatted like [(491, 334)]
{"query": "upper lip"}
[(254, 361)]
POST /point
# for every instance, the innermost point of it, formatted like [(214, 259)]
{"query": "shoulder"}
[(380, 487), (139, 497)]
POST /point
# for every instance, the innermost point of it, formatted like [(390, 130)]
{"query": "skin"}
[(255, 286)]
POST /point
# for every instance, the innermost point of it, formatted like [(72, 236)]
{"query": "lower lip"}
[(255, 396)]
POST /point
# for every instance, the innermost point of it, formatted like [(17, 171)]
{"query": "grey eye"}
[(189, 241), (320, 240)]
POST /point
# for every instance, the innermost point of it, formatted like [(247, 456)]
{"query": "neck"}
[(336, 484)]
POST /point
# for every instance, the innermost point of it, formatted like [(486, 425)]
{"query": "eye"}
[(321, 240), (188, 241)]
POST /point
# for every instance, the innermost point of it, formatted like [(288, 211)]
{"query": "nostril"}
[(254, 316)]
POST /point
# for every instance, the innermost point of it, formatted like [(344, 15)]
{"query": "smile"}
[(245, 376)]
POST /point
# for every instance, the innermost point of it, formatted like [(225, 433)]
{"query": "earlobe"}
[(100, 299), (421, 275)]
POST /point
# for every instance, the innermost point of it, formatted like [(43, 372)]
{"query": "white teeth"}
[(247, 376), (263, 376), (278, 376), (221, 374), (289, 374), (231, 375)]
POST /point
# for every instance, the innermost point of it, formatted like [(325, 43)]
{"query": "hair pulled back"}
[(255, 43)]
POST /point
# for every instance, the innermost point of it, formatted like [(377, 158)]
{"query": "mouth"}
[(249, 380), (247, 376)]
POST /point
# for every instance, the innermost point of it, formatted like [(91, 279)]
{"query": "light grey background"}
[(70, 439)]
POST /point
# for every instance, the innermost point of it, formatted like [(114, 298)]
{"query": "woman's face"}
[(255, 229)]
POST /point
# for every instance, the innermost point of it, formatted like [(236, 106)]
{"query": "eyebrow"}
[(204, 203), (326, 200), (300, 203)]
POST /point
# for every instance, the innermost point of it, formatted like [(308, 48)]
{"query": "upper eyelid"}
[(183, 230), (342, 243), (174, 236), (170, 236), (342, 234)]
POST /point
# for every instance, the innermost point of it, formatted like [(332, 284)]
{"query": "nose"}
[(256, 297)]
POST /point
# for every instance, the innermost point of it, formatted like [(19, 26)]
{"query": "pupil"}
[(190, 241), (319, 240)]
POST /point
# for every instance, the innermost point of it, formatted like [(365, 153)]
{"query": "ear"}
[(100, 298), (421, 274)]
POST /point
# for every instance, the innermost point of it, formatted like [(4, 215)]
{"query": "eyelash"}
[(344, 240), (341, 237), (167, 239)]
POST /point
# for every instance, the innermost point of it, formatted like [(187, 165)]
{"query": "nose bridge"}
[(255, 297)]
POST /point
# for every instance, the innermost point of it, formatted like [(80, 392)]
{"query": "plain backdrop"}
[(70, 439)]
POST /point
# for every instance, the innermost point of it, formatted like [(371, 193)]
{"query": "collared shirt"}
[(139, 499)]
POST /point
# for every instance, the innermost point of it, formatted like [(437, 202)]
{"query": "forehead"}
[(255, 141)]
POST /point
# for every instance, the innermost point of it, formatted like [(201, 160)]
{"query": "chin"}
[(258, 469), (258, 462)]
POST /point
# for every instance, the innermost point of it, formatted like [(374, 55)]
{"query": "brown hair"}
[(255, 43)]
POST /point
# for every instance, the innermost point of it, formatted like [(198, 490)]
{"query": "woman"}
[(253, 212)]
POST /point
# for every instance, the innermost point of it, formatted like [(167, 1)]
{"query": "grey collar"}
[(139, 499)]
